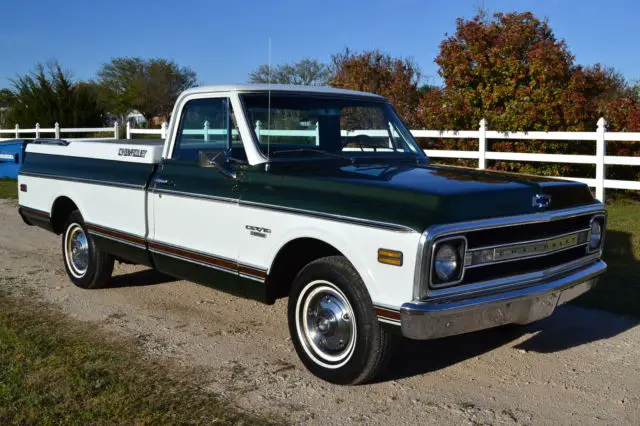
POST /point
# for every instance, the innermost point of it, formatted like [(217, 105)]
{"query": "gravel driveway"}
[(579, 366)]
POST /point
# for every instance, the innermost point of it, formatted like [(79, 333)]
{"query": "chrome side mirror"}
[(215, 160)]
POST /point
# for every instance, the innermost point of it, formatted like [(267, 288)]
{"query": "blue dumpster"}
[(11, 153)]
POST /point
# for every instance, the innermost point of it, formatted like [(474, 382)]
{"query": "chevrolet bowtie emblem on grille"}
[(542, 201)]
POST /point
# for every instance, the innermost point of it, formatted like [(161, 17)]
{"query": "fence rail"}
[(600, 137), (57, 131)]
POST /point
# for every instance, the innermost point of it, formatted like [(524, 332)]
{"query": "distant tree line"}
[(49, 94), (509, 69)]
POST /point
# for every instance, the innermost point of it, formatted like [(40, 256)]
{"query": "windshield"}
[(302, 125)]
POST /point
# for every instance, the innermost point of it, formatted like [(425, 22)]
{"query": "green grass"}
[(8, 188), (619, 289), (57, 371)]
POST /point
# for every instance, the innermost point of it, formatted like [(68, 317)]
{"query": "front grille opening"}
[(528, 232), (524, 266)]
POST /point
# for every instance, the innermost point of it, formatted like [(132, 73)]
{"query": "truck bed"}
[(146, 151)]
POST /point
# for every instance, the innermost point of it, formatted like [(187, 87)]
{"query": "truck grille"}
[(494, 251)]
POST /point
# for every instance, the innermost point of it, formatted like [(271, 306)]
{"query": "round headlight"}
[(446, 262), (596, 235)]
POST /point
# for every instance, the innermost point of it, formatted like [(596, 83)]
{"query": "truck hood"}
[(419, 195)]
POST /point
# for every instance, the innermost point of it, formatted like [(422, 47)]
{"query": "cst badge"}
[(258, 231)]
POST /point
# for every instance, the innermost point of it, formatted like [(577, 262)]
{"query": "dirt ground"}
[(580, 366)]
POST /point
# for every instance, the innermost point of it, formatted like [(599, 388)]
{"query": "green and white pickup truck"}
[(321, 195)]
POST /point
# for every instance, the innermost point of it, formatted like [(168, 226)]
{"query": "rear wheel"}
[(333, 325), (86, 266)]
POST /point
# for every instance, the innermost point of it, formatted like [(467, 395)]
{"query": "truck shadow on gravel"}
[(569, 327), (140, 279)]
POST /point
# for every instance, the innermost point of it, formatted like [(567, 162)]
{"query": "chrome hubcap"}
[(326, 324), (77, 250)]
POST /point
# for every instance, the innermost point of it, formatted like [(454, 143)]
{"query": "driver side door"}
[(196, 226)]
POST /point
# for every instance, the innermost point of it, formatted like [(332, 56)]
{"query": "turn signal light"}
[(390, 257), (23, 187)]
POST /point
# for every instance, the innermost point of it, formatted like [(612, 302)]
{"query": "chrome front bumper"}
[(445, 317)]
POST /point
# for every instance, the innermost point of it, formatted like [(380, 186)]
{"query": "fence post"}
[(163, 130), (258, 127), (601, 151), (56, 127), (128, 130), (37, 130), (206, 130), (482, 144), (17, 132), (116, 130)]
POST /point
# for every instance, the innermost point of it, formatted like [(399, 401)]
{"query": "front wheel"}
[(333, 325), (86, 266)]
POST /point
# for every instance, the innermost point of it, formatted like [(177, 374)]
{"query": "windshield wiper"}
[(311, 150)]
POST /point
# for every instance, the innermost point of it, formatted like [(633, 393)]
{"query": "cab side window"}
[(206, 125)]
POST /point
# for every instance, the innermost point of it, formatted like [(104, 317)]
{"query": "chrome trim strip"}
[(330, 216), (82, 180), (464, 253), (194, 251), (525, 257), (541, 240), (389, 321), (251, 277), (604, 233), (511, 281), (118, 240), (536, 256), (40, 214), (186, 259), (207, 264), (156, 190), (293, 210), (420, 283)]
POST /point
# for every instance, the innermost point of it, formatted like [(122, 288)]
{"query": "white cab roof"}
[(244, 88)]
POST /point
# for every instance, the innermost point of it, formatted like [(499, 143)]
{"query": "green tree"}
[(373, 71), (150, 86), (6, 99), (308, 72), (49, 95), (512, 70)]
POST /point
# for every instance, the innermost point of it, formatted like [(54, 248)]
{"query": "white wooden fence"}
[(56, 131), (600, 137)]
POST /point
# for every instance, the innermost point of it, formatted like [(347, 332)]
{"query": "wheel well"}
[(290, 260), (60, 212)]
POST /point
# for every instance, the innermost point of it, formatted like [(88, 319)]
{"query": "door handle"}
[(162, 181)]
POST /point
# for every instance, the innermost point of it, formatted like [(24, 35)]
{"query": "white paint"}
[(118, 208), (387, 284), (102, 150), (248, 88), (210, 227)]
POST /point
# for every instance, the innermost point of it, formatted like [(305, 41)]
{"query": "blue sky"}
[(224, 40)]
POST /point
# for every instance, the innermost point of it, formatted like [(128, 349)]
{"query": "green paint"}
[(91, 169), (415, 196), (228, 282), (123, 251)]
